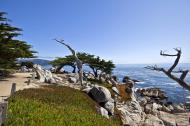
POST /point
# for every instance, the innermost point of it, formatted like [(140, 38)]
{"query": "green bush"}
[(6, 72), (54, 106), (28, 64)]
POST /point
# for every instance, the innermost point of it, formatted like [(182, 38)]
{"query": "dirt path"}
[(19, 78)]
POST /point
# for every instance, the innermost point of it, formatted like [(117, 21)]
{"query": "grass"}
[(54, 106)]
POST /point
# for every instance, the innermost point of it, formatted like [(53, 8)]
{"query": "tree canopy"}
[(94, 62), (10, 47)]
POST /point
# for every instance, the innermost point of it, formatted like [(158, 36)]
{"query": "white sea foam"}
[(172, 83), (141, 82), (188, 97)]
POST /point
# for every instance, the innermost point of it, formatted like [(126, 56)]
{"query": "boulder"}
[(49, 77), (156, 106), (115, 90), (103, 80), (142, 101), (24, 69), (104, 112), (165, 109), (171, 107), (108, 81), (125, 79), (72, 80), (51, 81), (167, 118), (152, 108), (100, 94), (152, 120), (152, 92), (175, 119), (130, 113), (57, 79), (44, 75), (87, 89), (178, 108), (148, 108), (109, 106), (125, 117)]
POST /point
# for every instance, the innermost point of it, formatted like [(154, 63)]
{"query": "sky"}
[(124, 31)]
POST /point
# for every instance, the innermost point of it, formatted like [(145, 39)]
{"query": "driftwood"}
[(180, 80), (78, 61)]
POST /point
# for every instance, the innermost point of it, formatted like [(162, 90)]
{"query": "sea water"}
[(149, 79)]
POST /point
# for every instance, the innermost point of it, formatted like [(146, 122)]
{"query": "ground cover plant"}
[(54, 106)]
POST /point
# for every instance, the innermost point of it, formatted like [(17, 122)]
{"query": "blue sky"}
[(124, 31)]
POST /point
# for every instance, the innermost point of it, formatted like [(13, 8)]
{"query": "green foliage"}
[(28, 64), (94, 62), (61, 62), (6, 72), (54, 106), (11, 48)]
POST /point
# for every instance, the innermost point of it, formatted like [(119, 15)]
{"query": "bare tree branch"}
[(184, 74), (169, 72), (176, 61), (72, 50), (165, 54), (78, 61), (155, 68)]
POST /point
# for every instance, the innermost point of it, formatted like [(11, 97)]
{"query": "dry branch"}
[(78, 61), (179, 80)]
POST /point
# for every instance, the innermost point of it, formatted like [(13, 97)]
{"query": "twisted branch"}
[(77, 60), (179, 80)]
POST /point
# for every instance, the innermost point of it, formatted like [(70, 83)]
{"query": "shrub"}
[(28, 64), (54, 106), (6, 72)]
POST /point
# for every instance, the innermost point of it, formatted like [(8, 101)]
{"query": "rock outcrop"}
[(104, 112), (100, 94), (153, 93), (45, 76), (152, 120), (109, 106), (146, 110), (131, 113)]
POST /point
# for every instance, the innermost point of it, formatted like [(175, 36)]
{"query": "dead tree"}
[(180, 80), (77, 60)]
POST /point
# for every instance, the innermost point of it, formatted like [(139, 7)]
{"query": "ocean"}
[(150, 79)]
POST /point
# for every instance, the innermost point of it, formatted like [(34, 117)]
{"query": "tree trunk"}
[(77, 60), (58, 69), (94, 71), (74, 69)]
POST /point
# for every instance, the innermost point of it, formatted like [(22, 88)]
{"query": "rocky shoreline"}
[(143, 107)]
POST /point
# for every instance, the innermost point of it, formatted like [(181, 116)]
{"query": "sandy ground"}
[(19, 78)]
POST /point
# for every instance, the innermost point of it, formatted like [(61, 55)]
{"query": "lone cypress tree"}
[(10, 47)]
